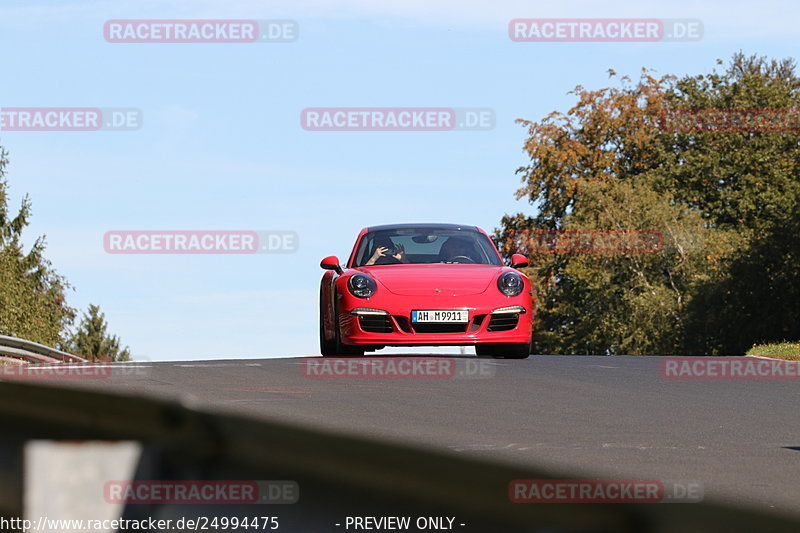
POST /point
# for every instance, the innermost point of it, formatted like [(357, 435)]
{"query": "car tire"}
[(484, 350), (504, 351), (516, 351), (326, 347)]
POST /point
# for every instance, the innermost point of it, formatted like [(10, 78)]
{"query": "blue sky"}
[(222, 148)]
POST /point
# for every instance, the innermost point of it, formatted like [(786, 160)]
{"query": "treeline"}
[(33, 302), (725, 197)]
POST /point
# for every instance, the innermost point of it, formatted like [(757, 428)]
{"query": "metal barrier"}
[(338, 475), (33, 352)]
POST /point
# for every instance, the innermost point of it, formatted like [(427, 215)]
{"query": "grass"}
[(785, 350)]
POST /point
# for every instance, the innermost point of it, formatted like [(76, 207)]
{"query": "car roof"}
[(422, 225)]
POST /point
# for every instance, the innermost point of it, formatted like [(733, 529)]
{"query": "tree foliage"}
[(32, 295), (92, 340), (725, 202)]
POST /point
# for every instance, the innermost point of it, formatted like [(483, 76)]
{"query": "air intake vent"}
[(375, 323), (502, 322)]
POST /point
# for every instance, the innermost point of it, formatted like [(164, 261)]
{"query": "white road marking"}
[(212, 365)]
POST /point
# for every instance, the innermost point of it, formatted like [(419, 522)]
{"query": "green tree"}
[(32, 295), (92, 340), (757, 301), (749, 182), (611, 303), (737, 179)]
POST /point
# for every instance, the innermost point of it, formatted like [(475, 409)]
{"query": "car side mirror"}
[(331, 263), (518, 261)]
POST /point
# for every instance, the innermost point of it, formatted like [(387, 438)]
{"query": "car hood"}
[(416, 280)]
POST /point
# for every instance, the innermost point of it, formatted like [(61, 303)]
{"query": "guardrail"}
[(338, 475), (13, 349)]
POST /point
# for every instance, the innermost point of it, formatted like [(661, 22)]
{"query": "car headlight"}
[(361, 285), (510, 284)]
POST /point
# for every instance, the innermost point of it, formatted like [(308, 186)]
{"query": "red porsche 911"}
[(425, 285)]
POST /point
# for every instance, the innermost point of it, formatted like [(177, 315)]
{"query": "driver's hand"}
[(401, 252), (379, 252)]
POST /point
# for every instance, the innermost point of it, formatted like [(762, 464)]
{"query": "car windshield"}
[(425, 246)]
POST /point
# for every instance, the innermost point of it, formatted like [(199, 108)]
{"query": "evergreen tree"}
[(92, 340), (32, 295)]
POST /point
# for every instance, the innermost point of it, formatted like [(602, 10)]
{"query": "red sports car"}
[(425, 285)]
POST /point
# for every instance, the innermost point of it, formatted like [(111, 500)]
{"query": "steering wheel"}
[(466, 258), (388, 260)]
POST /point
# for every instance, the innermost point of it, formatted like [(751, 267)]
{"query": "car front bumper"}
[(388, 323)]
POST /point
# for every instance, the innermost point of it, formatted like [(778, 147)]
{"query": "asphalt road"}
[(584, 416)]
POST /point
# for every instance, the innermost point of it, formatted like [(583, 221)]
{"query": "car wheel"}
[(484, 350), (515, 351), (326, 347), (504, 351)]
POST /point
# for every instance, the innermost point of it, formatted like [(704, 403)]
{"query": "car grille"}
[(383, 324), (502, 322), (375, 323), (440, 328)]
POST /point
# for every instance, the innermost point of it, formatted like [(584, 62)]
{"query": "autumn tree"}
[(610, 163)]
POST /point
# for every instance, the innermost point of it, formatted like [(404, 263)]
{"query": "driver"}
[(456, 247), (384, 252)]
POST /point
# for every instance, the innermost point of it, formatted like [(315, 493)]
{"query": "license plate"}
[(440, 315)]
